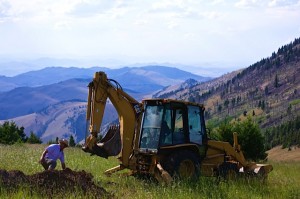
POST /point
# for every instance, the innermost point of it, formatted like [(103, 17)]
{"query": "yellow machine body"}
[(179, 147)]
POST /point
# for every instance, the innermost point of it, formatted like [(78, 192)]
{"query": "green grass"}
[(295, 102), (283, 182)]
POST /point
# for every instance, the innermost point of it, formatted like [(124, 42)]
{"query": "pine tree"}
[(33, 139), (220, 108), (72, 141), (266, 90), (276, 81), (263, 106), (10, 133)]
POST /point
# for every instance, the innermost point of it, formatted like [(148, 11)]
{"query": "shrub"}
[(249, 136)]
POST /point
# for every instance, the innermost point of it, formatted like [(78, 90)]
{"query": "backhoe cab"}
[(163, 138), (173, 135)]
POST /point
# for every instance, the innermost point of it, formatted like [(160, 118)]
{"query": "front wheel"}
[(228, 171), (183, 165)]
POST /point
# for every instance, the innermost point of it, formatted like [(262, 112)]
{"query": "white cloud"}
[(247, 3), (141, 22), (90, 8), (212, 15), (4, 9), (173, 24), (266, 3), (168, 5), (188, 36), (217, 2), (62, 25), (283, 3), (115, 13)]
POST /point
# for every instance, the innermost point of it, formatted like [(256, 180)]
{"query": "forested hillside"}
[(268, 90)]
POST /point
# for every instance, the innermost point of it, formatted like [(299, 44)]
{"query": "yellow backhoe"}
[(163, 138)]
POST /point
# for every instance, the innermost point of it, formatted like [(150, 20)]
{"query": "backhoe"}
[(163, 138)]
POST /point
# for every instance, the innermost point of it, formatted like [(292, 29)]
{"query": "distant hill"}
[(174, 89), (46, 76), (268, 90), (154, 75), (61, 120), (27, 100), (57, 107), (136, 81)]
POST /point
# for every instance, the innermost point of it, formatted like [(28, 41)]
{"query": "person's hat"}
[(64, 141)]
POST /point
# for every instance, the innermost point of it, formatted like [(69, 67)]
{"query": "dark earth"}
[(52, 183)]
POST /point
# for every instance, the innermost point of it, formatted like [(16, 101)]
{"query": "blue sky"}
[(225, 34)]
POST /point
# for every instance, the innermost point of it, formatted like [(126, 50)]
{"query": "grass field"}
[(283, 182)]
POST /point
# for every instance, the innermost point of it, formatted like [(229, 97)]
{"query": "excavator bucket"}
[(110, 144)]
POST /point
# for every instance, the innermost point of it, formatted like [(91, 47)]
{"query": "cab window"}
[(195, 129)]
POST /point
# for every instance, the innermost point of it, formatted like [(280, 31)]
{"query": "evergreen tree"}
[(34, 139), (251, 139), (225, 132), (276, 81), (289, 109), (233, 101), (266, 90), (72, 141), (10, 133), (226, 103), (220, 108), (263, 106), (286, 134), (249, 136)]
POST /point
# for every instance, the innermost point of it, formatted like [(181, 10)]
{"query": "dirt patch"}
[(279, 154), (51, 183)]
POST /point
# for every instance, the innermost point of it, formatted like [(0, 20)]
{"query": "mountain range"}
[(51, 102), (36, 99)]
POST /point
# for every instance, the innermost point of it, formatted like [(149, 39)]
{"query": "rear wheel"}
[(228, 171), (183, 165)]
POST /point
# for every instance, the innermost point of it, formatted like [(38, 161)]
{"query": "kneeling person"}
[(52, 153)]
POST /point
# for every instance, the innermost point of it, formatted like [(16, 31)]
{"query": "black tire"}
[(228, 171), (183, 165)]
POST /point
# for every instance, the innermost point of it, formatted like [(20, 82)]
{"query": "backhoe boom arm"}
[(100, 90)]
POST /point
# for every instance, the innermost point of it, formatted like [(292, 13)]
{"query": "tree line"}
[(286, 134), (10, 133)]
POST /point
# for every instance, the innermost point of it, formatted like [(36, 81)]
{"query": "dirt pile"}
[(53, 182)]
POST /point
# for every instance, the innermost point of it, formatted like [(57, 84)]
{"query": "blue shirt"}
[(55, 153)]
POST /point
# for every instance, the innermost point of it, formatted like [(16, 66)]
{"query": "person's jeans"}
[(48, 164)]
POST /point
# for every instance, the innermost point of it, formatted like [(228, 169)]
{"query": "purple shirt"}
[(55, 153)]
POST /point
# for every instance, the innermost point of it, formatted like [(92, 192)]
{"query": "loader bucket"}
[(259, 170), (110, 144)]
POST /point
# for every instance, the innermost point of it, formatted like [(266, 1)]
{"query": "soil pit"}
[(53, 182)]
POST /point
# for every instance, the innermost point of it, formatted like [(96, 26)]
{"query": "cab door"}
[(196, 124), (174, 125)]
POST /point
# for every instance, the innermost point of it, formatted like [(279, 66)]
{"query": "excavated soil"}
[(51, 183)]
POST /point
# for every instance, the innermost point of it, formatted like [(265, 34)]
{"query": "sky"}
[(221, 35)]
